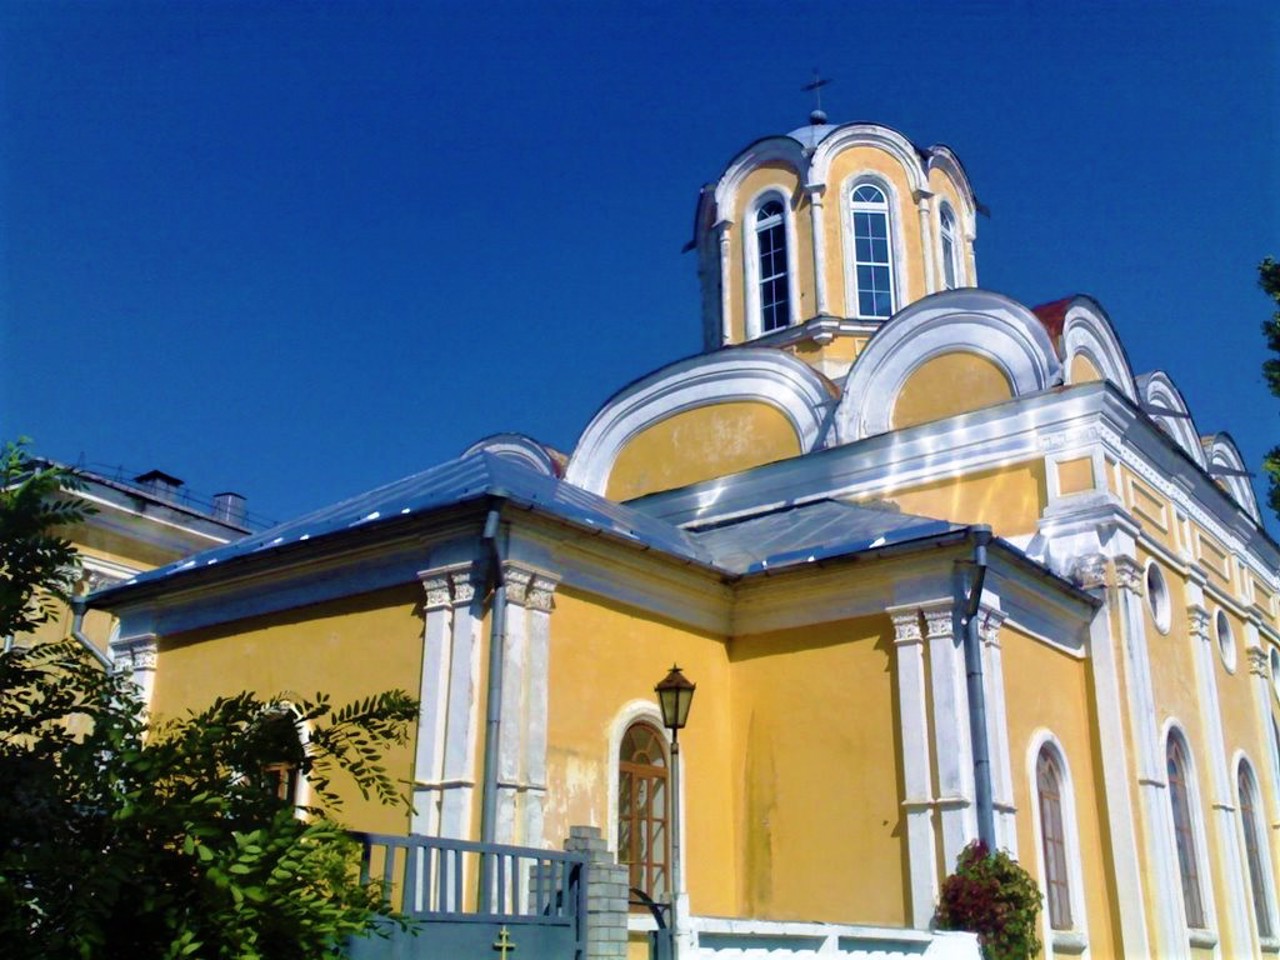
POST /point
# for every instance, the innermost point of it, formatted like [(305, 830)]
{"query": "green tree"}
[(121, 838), (38, 568), (1269, 281)]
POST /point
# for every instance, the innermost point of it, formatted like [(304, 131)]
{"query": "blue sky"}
[(298, 250)]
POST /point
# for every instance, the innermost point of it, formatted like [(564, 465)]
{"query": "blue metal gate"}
[(474, 900)]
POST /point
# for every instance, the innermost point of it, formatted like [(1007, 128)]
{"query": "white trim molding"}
[(954, 321), (750, 374), (867, 135), (518, 448), (1087, 331), (1157, 392), (1073, 941), (779, 149)]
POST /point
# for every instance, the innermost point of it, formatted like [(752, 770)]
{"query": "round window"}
[(1158, 597), (1226, 641)]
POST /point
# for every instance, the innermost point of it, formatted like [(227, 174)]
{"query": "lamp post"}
[(675, 694)]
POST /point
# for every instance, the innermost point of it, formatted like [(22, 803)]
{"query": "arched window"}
[(773, 288), (872, 251), (644, 809), (949, 247), (1184, 833), (1053, 839), (283, 755), (1253, 848)]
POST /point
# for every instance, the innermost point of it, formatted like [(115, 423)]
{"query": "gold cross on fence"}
[(504, 943)]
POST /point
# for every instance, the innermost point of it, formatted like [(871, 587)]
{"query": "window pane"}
[(1181, 808), (643, 800), (1253, 852)]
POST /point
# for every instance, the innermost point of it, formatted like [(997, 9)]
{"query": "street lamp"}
[(675, 694)]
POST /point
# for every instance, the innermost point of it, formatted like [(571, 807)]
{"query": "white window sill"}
[(1202, 938), (1269, 944), (1070, 941)]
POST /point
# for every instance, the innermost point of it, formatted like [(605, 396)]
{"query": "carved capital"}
[(989, 622), (464, 586), (135, 654), (906, 627), (1198, 621), (540, 593), (815, 192), (922, 199), (1258, 662), (437, 590), (939, 621), (1128, 574), (517, 581)]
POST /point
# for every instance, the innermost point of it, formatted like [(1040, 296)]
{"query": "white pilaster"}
[(137, 656), (924, 205), (917, 801), (462, 717), (1152, 781), (990, 619), (815, 192), (522, 737), (724, 230), (433, 693), (1230, 860), (1118, 800), (952, 746)]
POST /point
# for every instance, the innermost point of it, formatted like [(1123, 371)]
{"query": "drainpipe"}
[(977, 690), (77, 621), (493, 701)]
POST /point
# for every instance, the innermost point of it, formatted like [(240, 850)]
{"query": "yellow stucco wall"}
[(949, 384), (1082, 370), (1075, 476), (611, 656), (349, 648), (711, 441), (1009, 499), (815, 730), (1058, 702)]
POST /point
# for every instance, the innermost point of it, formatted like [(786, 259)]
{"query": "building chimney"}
[(161, 485), (229, 508)]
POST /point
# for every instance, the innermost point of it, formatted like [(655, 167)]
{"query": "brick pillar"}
[(607, 894)]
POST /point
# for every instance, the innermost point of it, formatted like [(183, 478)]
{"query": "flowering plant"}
[(991, 895)]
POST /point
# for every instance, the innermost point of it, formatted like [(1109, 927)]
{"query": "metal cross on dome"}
[(816, 85)]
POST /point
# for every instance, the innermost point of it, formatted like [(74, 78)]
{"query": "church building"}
[(941, 564)]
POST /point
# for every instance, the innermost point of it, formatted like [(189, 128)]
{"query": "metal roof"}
[(813, 532), (781, 538), (468, 479)]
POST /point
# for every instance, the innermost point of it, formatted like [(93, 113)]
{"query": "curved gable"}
[(777, 151), (868, 135), (1091, 350), (1226, 466), (519, 449), (749, 393), (999, 335), (1161, 401)]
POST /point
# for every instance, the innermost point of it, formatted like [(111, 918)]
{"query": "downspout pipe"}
[(976, 686), (497, 647), (77, 621)]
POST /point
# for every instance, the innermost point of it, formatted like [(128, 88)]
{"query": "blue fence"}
[(470, 899)]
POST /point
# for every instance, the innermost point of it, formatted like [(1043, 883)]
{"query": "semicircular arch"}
[(1087, 332), (778, 380), (1163, 403), (779, 150), (868, 135), (1221, 451), (993, 327)]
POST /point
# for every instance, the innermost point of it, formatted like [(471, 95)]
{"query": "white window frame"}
[(1272, 943), (1073, 942), (751, 260), (894, 228), (953, 261), (1159, 606), (1205, 936)]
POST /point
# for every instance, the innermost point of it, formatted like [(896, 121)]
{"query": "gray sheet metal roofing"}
[(779, 539)]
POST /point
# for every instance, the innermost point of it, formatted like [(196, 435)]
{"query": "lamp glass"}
[(675, 694)]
